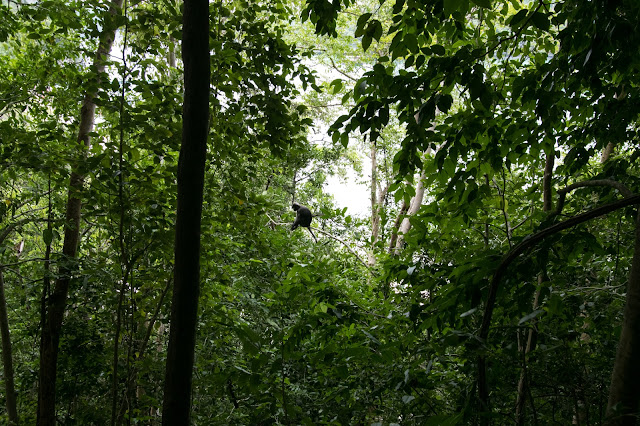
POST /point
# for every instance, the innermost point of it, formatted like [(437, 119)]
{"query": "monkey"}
[(303, 218)]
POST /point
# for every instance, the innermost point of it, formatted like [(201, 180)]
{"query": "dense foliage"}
[(490, 282)]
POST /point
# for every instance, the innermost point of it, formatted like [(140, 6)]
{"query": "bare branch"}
[(343, 243), (335, 67)]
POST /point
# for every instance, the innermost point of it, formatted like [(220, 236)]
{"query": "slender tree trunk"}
[(124, 255), (416, 202), (396, 226), (532, 337), (191, 164), (57, 300), (624, 393), (172, 52), (375, 213), (7, 358)]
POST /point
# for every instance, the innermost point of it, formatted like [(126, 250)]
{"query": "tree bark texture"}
[(191, 165), (56, 302), (396, 225), (7, 358), (416, 202), (375, 212), (607, 152), (624, 392)]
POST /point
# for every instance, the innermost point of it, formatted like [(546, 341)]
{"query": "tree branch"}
[(272, 223), (597, 182), (343, 243), (527, 243)]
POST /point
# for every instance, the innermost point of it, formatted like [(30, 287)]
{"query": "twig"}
[(340, 71), (343, 243)]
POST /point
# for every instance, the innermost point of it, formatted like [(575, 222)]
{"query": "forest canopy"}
[(150, 155)]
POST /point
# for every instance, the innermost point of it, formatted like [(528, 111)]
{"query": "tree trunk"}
[(191, 164), (396, 226), (56, 302), (416, 202), (375, 212), (7, 358), (606, 152), (624, 393), (532, 337)]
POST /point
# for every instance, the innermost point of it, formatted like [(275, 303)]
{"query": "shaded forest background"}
[(494, 280)]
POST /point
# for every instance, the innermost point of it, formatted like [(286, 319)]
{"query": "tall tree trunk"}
[(7, 358), (172, 52), (532, 337), (124, 255), (396, 226), (416, 202), (375, 212), (57, 300), (184, 305), (624, 392)]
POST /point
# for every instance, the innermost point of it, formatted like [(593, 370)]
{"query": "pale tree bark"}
[(377, 196), (375, 214), (56, 301), (172, 52), (532, 335), (606, 152), (191, 166), (396, 225), (414, 206)]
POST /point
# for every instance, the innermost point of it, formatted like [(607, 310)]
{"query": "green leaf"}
[(444, 420), (371, 337), (452, 6), (375, 29), (518, 17), (483, 3), (438, 49), (362, 20), (344, 139), (337, 85), (530, 316), (555, 305), (359, 89), (476, 87), (408, 398), (469, 312), (47, 236), (541, 21), (486, 99), (444, 103), (366, 42)]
